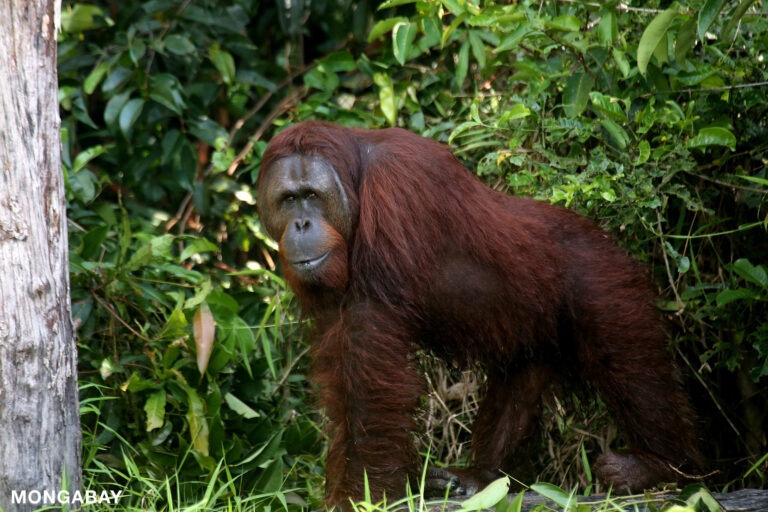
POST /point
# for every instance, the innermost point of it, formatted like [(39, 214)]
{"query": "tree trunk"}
[(39, 422)]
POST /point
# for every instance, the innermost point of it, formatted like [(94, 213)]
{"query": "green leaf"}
[(726, 296), (516, 505), (386, 97), (179, 44), (114, 106), (686, 38), (698, 498), (608, 29), (736, 17), (95, 76), (196, 246), (92, 241), (83, 185), (433, 32), (463, 64), (198, 425), (224, 62), (340, 61), (402, 40), (136, 384), (713, 136), (176, 324), (568, 23), (621, 61), (452, 27), (478, 48), (240, 407), (585, 463), (512, 39), (394, 3), (165, 89), (155, 410), (661, 52), (576, 93), (494, 20), (755, 179), (644, 152), (384, 26), (116, 78), (682, 262), (654, 33), (554, 493), (616, 132), (707, 15), (136, 48), (753, 274), (489, 496), (86, 156), (518, 111), (129, 114), (608, 106), (460, 129), (207, 130), (696, 77), (79, 18), (322, 79), (455, 6)]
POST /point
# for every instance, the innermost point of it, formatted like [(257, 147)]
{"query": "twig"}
[(183, 211), (577, 53), (179, 213), (711, 395), (726, 184), (288, 371), (692, 477), (166, 28), (622, 7), (281, 107), (680, 305), (117, 317), (643, 10), (708, 89), (263, 100)]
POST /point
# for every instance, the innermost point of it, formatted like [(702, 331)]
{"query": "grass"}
[(562, 459), (220, 491)]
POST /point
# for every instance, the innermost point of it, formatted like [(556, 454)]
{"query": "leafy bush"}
[(650, 118)]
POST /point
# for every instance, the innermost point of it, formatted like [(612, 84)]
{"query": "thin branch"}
[(708, 89), (117, 317), (166, 28), (726, 184), (281, 107), (288, 371), (622, 7), (183, 211), (578, 54), (643, 10), (263, 100), (711, 395), (680, 305)]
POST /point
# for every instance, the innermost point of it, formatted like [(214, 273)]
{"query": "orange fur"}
[(440, 261)]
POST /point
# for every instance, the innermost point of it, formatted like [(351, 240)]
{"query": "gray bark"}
[(39, 422)]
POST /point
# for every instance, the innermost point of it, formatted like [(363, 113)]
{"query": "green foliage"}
[(645, 122), (651, 119), (164, 244)]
